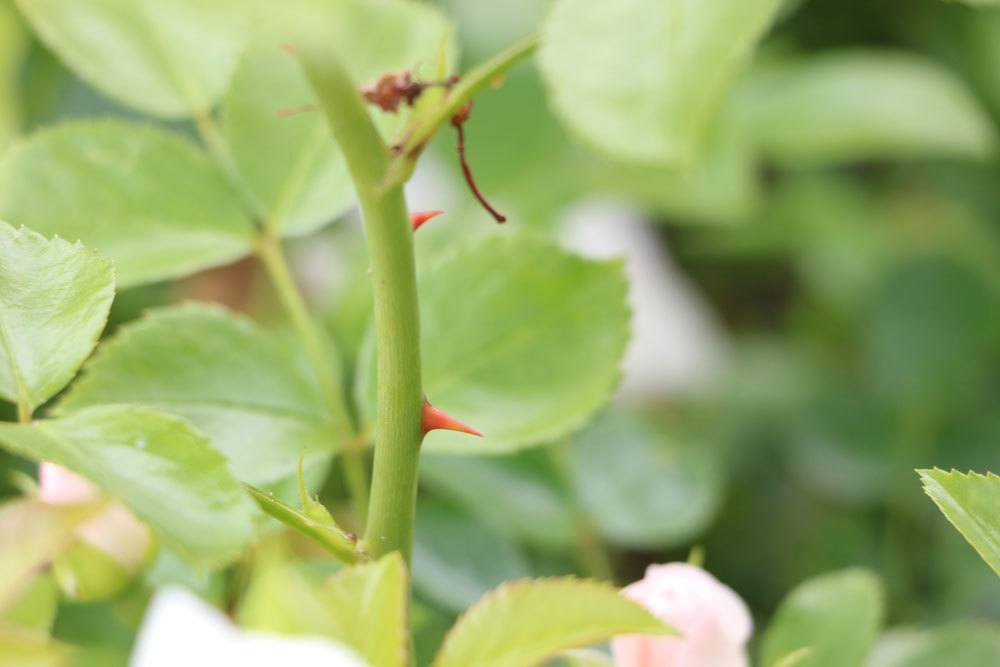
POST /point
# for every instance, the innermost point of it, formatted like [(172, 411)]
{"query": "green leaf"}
[(37, 608), (837, 615), (368, 604), (933, 322), (364, 606), (54, 302), (525, 622), (971, 502), (456, 558), (32, 535), (979, 3), (861, 105), (29, 648), (290, 163), (501, 491), (341, 544), (642, 485), (584, 658), (642, 79), (964, 644), (147, 200), (154, 463), (168, 59), (14, 42), (251, 391), (539, 357)]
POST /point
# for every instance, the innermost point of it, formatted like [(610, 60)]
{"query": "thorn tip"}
[(418, 218), (434, 419)]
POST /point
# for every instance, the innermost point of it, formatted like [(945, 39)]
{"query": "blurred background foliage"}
[(817, 313)]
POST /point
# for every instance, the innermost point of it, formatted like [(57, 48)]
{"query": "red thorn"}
[(284, 113), (434, 420), (418, 218), (288, 48)]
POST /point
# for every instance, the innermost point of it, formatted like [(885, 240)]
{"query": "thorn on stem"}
[(433, 419), (418, 218)]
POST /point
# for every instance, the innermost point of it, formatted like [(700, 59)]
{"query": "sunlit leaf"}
[(972, 503), (368, 604), (54, 302), (13, 50), (643, 79), (147, 200), (30, 648), (859, 105), (541, 354), (524, 622), (165, 58), (289, 162), (836, 615), (154, 463), (251, 391)]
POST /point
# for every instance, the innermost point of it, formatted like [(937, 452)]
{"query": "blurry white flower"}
[(676, 342), (714, 622), (182, 631)]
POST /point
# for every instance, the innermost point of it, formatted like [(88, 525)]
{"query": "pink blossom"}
[(115, 531), (714, 622)]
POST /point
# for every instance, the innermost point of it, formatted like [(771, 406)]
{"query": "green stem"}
[(270, 253), (471, 83), (23, 412), (397, 330), (268, 249)]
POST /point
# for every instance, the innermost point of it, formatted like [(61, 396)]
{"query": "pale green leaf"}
[(149, 201), (642, 485), (368, 605), (29, 648), (972, 503), (154, 463), (37, 608), (32, 535), (584, 658), (836, 615), (290, 163), (280, 597), (525, 622), (643, 79), (457, 558), (14, 43), (169, 59), (54, 302), (862, 105), (520, 339), (251, 391), (963, 644), (364, 606)]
